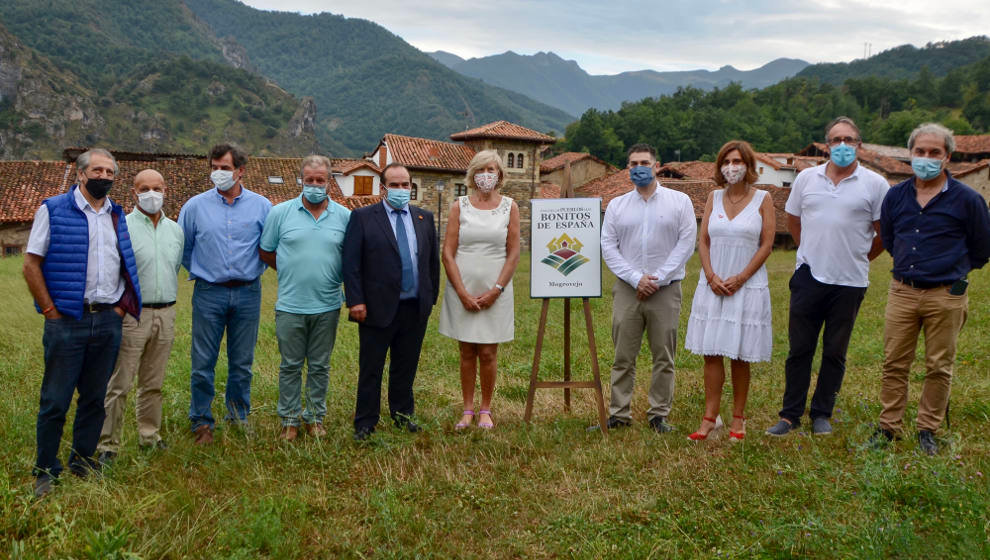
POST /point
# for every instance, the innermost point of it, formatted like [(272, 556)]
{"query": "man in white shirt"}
[(647, 237), (834, 216)]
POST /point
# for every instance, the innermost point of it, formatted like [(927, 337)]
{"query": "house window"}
[(511, 161), (362, 185), (785, 183), (11, 250), (414, 192), (275, 180), (519, 161), (461, 190)]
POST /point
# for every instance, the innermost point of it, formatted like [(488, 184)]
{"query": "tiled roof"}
[(973, 143), (963, 168), (355, 202), (888, 166), (769, 160), (688, 170), (504, 130), (25, 184), (422, 153), (559, 161), (697, 191), (549, 190), (607, 187), (895, 152), (348, 166)]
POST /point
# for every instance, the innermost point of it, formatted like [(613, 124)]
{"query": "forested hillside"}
[(904, 62), (787, 116)]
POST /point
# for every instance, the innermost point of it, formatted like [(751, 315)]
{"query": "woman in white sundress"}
[(730, 314), (480, 254)]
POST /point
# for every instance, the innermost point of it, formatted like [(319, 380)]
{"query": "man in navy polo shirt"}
[(937, 230), (81, 271)]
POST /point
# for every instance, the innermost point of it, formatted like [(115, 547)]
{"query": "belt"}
[(232, 283), (920, 284), (96, 307), (157, 305)]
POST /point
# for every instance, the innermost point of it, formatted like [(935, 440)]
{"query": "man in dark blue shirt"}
[(937, 229)]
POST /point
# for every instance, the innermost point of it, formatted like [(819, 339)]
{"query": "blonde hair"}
[(481, 160)]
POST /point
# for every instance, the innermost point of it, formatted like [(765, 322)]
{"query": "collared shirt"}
[(222, 239), (103, 281), (654, 237), (413, 246), (837, 228), (307, 255), (941, 242), (158, 252)]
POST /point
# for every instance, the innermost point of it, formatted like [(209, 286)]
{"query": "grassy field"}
[(544, 490)]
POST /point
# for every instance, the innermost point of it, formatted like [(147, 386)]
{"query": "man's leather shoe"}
[(204, 435), (880, 439), (106, 458), (289, 433), (660, 425), (612, 423), (926, 440), (404, 422), (42, 486), (316, 430), (363, 434)]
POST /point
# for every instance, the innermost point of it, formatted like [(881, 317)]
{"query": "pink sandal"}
[(461, 425), (485, 425)]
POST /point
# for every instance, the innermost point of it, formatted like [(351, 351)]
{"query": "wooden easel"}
[(596, 383)]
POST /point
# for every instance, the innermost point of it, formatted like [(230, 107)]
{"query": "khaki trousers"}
[(658, 316), (144, 349), (941, 316)]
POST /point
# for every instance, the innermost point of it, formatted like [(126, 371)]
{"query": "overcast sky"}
[(607, 38)]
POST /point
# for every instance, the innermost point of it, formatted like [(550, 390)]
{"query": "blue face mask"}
[(398, 198), (641, 175), (315, 194), (842, 155), (926, 168)]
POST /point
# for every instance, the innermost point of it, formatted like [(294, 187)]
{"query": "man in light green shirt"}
[(303, 240), (145, 345)]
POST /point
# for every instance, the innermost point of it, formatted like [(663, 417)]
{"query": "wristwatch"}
[(500, 287)]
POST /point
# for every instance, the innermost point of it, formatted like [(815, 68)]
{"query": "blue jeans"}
[(79, 356), (215, 309)]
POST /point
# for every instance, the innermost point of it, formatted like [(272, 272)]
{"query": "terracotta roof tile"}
[(888, 166), (895, 152), (348, 166), (973, 143), (422, 153), (560, 160), (963, 168), (607, 187), (688, 170), (24, 185), (506, 131), (549, 190)]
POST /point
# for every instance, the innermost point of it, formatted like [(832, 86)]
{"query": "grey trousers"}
[(304, 339), (658, 316)]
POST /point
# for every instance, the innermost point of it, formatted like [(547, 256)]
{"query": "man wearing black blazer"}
[(390, 294)]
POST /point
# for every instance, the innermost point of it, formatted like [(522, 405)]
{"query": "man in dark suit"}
[(391, 273)]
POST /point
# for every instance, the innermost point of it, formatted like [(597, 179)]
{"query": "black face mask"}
[(98, 188)]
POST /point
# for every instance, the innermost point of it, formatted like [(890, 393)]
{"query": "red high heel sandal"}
[(698, 436), (738, 436)]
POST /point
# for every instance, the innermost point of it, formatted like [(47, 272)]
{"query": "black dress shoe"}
[(363, 434), (106, 458), (660, 425), (926, 440), (42, 486), (408, 425), (612, 423), (880, 439)]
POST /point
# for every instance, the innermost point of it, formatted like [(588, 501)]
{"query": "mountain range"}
[(546, 77)]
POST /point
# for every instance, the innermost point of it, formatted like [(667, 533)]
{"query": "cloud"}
[(670, 35)]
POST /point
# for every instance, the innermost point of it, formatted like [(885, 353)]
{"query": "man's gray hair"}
[(841, 120), (938, 130), (82, 162), (316, 160)]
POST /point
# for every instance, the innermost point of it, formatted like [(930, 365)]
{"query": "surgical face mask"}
[(398, 198), (98, 188), (222, 179), (485, 181), (842, 155), (151, 201), (926, 168), (315, 194), (733, 172), (641, 175)]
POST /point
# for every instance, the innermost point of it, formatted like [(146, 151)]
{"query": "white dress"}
[(736, 326), (480, 257)]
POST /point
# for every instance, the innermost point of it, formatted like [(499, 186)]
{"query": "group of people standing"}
[(107, 283)]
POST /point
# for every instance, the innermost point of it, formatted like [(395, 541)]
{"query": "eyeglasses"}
[(845, 139)]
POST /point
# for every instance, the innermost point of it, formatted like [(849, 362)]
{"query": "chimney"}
[(383, 155)]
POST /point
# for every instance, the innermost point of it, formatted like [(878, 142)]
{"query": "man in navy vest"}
[(81, 271)]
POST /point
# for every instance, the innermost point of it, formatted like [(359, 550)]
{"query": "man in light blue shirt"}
[(302, 240), (222, 227)]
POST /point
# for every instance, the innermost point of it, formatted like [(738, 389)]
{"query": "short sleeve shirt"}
[(837, 223)]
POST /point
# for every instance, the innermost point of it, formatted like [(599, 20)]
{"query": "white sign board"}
[(566, 239)]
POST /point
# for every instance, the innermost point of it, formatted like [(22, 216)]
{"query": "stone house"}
[(584, 168)]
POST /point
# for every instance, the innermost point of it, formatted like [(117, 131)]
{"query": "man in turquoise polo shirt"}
[(145, 344), (302, 240)]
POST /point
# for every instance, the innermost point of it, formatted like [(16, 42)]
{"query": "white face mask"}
[(151, 201), (485, 181), (733, 172), (222, 179)]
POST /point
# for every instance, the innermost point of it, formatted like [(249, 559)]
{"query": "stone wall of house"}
[(980, 181), (521, 184), (429, 198), (14, 235), (581, 172)]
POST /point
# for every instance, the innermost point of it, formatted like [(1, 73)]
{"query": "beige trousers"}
[(658, 316), (144, 349), (941, 316)]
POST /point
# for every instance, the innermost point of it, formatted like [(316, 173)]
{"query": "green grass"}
[(544, 490)]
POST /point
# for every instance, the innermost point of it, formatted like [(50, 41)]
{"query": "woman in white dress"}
[(730, 314), (480, 254)]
